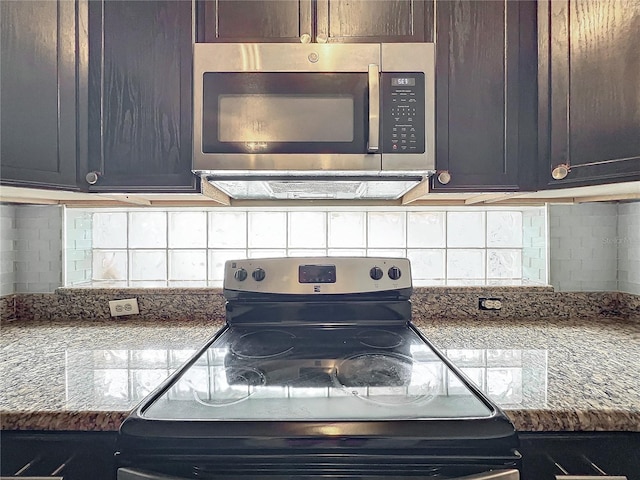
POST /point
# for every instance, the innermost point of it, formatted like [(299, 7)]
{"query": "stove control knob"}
[(240, 275), (394, 273), (376, 273), (258, 274)]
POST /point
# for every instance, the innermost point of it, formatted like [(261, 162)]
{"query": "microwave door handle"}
[(374, 108)]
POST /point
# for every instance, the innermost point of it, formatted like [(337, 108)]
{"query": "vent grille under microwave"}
[(333, 188)]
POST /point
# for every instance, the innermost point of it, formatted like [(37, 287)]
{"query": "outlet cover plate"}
[(490, 303), (127, 306)]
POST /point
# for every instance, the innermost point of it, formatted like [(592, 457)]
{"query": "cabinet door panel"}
[(254, 20), (482, 85), (380, 21), (38, 116), (605, 46), (590, 111), (140, 95)]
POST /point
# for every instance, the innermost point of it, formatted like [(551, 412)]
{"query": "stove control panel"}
[(318, 275)]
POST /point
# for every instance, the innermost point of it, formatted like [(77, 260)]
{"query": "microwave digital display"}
[(403, 82)]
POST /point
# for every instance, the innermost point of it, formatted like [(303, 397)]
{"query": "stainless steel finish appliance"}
[(319, 373), (314, 120)]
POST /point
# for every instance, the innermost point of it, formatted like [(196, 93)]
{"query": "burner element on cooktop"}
[(263, 344), (380, 339), (374, 369)]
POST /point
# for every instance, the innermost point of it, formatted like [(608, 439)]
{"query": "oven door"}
[(131, 474)]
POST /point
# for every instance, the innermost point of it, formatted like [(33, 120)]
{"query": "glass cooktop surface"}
[(317, 373)]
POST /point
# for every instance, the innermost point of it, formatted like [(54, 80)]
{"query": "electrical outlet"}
[(128, 306), (490, 303)]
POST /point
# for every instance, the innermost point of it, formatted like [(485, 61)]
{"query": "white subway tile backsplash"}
[(301, 252), (307, 230), (187, 264), (267, 229), (505, 263), (266, 253), (255, 233), (583, 254), (427, 264), (110, 265), (386, 252), (148, 264), (504, 229), (217, 259), (227, 230), (426, 230), (347, 252), (187, 230), (627, 241), (147, 229), (466, 229), (386, 229), (466, 263), (347, 230)]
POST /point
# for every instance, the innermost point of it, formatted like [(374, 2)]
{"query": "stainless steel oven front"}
[(343, 108), (318, 374)]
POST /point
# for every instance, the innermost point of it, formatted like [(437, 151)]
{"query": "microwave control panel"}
[(403, 112)]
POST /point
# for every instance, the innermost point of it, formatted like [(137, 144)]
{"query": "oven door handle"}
[(132, 474), (510, 474), (374, 108)]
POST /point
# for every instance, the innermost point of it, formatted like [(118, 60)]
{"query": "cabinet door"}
[(315, 21), (38, 90), (589, 91), (374, 21), (140, 114), (254, 20), (485, 95)]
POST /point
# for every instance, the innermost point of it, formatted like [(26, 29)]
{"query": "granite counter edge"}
[(537, 420)]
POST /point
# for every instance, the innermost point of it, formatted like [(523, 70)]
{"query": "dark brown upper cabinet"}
[(589, 93), (38, 91), (139, 97), (485, 96), (315, 21)]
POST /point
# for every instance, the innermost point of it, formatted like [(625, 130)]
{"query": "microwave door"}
[(290, 121)]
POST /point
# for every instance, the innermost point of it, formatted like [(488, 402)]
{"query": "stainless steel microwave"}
[(314, 120)]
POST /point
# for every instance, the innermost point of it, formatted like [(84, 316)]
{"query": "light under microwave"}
[(303, 119)]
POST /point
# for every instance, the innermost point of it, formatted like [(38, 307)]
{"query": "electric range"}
[(318, 373)]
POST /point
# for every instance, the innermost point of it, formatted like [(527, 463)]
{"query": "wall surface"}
[(534, 247), (595, 247), (31, 248), (628, 241), (583, 247), (8, 249)]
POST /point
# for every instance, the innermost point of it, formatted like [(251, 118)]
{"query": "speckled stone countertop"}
[(553, 374)]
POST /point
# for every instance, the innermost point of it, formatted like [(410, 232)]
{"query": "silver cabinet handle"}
[(374, 108)]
